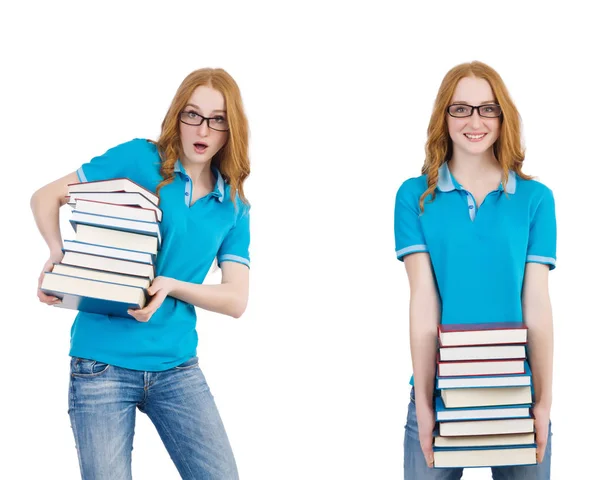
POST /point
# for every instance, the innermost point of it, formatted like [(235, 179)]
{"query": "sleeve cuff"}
[(400, 254), (233, 258), (81, 175), (551, 262)]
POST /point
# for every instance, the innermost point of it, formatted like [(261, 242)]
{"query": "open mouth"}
[(200, 147), (477, 137)]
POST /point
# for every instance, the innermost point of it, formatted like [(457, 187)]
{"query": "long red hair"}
[(232, 160), (508, 148)]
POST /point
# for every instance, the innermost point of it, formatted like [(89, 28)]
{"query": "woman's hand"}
[(160, 288), (541, 416), (426, 423), (55, 257)]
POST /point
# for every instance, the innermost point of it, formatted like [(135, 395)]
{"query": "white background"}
[(312, 382)]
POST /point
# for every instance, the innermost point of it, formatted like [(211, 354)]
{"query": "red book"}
[(482, 334), (486, 367)]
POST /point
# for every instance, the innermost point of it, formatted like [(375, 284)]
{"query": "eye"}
[(219, 119), (191, 114)]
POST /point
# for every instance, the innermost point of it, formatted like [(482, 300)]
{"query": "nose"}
[(203, 129), (475, 119)]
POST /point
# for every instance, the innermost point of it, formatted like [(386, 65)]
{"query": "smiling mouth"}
[(479, 136)]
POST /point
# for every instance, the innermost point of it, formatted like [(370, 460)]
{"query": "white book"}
[(485, 440), (133, 199), (113, 185), (117, 239), (119, 211), (121, 224), (142, 282), (488, 352), (111, 265), (486, 427), (482, 397), (485, 458), (482, 382), (101, 251), (488, 367)]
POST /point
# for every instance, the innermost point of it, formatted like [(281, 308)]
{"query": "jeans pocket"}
[(85, 367), (191, 363)]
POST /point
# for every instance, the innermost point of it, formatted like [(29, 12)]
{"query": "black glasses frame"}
[(473, 108), (208, 119)]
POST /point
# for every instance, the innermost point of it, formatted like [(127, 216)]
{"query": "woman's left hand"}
[(542, 423), (160, 288)]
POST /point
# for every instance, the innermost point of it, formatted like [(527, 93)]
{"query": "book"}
[(113, 185), (483, 397), (482, 334), (488, 352), (474, 413), (119, 211), (486, 427), (485, 440), (115, 238), (469, 381), (93, 295), (485, 367), (132, 199), (109, 265), (99, 250), (121, 224), (71, 271), (488, 457)]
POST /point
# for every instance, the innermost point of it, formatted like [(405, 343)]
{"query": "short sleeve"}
[(541, 247), (235, 246), (118, 162), (407, 223)]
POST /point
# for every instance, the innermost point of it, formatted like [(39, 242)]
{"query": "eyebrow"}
[(198, 108), (487, 102)]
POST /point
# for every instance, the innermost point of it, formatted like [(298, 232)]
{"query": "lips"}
[(200, 147)]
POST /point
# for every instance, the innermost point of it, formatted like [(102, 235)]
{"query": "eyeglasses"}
[(218, 123), (460, 110)]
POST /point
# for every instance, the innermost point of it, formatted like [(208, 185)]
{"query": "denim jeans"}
[(102, 406), (415, 467)]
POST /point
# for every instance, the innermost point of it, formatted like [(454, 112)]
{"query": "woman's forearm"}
[(46, 214), (226, 298), (541, 349), (424, 319)]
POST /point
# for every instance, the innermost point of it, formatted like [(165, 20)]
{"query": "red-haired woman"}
[(148, 361), (478, 238)]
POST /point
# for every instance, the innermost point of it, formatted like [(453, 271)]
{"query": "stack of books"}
[(109, 265), (484, 409)]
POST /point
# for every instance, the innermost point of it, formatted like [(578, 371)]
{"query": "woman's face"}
[(475, 134), (199, 142)]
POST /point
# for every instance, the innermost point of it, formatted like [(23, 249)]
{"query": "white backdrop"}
[(312, 382)]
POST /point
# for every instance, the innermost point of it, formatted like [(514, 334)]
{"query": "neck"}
[(200, 174), (469, 166)]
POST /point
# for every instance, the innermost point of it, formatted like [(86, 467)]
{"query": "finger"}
[(428, 453)]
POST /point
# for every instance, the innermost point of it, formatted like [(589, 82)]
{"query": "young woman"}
[(197, 167), (478, 238)]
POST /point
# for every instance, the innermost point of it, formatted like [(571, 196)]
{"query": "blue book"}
[(443, 414), (94, 296), (501, 456), (482, 381)]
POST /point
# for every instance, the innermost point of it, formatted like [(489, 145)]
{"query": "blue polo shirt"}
[(192, 236), (478, 254)]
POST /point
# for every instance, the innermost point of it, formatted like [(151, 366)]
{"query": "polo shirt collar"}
[(447, 182), (219, 190)]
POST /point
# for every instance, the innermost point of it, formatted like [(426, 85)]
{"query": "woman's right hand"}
[(426, 423), (55, 257)]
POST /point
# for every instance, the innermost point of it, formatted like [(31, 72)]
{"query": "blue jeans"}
[(102, 405), (415, 467)]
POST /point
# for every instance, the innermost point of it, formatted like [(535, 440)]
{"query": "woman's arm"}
[(229, 298), (537, 314), (45, 204), (424, 319)]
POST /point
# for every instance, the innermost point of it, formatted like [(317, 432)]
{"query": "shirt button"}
[(187, 179), (187, 194), (470, 206)]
